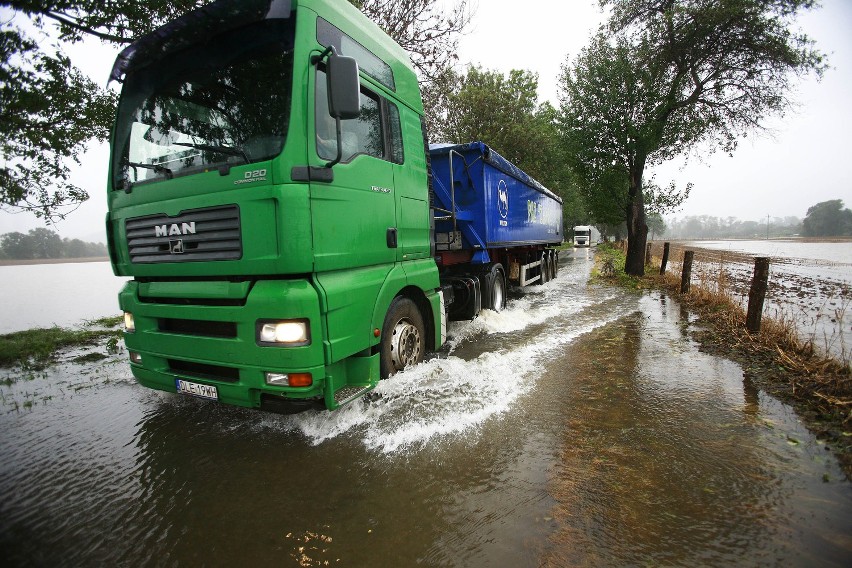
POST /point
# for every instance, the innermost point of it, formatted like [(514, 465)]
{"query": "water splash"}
[(451, 394)]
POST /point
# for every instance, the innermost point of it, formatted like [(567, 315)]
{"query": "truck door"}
[(412, 192), (353, 215)]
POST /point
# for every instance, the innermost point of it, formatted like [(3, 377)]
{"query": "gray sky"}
[(801, 164)]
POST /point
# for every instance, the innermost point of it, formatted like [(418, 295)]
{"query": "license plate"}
[(195, 389)]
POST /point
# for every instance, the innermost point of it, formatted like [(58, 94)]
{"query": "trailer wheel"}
[(403, 337), (545, 268), (494, 295), (554, 263)]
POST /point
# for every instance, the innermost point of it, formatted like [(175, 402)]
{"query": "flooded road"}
[(579, 427)]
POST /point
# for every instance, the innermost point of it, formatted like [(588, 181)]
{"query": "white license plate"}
[(195, 389)]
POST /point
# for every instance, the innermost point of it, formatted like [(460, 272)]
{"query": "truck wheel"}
[(494, 295), (403, 337), (554, 263)]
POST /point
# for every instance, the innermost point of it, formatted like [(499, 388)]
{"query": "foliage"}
[(41, 243), (429, 33), (423, 28), (828, 219), (49, 109), (503, 111), (656, 224), (609, 265), (666, 76), (709, 227)]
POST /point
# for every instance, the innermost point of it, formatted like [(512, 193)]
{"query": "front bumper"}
[(205, 332)]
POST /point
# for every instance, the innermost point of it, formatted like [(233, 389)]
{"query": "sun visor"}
[(196, 26)]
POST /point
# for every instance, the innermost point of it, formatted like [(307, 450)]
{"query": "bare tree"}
[(430, 35)]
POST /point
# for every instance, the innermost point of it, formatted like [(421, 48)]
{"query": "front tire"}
[(403, 337)]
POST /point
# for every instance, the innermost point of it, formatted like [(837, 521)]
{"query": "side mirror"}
[(344, 99)]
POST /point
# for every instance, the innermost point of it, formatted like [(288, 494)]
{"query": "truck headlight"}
[(129, 324), (292, 333)]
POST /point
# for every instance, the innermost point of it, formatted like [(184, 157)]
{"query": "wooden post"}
[(687, 271), (665, 258), (648, 255), (757, 293)]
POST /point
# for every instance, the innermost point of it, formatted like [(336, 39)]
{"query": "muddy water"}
[(581, 426)]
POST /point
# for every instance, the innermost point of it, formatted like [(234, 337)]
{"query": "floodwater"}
[(579, 427), (810, 284), (63, 294)]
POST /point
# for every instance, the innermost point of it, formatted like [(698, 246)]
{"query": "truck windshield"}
[(221, 103)]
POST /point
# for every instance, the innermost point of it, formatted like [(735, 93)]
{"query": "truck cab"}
[(280, 255)]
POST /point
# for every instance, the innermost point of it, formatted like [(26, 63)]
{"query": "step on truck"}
[(291, 237)]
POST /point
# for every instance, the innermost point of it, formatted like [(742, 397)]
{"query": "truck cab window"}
[(362, 135), (222, 103), (397, 154)]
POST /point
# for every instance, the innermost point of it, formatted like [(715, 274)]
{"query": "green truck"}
[(273, 197)]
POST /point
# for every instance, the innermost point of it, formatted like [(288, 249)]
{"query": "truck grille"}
[(204, 371), (194, 235), (203, 328)]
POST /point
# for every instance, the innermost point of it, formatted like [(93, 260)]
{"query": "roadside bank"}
[(775, 360)]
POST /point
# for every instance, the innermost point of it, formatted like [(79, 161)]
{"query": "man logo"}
[(174, 229), (176, 246)]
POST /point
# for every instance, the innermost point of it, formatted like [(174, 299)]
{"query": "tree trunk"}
[(637, 229)]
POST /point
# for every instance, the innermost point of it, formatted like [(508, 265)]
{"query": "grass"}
[(36, 348), (777, 358)]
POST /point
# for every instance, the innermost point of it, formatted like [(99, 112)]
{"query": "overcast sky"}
[(803, 163)]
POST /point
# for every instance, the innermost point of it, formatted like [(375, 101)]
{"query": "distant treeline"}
[(45, 244), (825, 219), (707, 227)]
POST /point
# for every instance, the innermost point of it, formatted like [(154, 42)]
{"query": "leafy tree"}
[(49, 109), (705, 226), (45, 243), (17, 246), (656, 224), (828, 219), (503, 111), (667, 75), (74, 248), (42, 243)]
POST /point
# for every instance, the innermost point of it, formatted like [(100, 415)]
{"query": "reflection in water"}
[(62, 294), (581, 426), (671, 458)]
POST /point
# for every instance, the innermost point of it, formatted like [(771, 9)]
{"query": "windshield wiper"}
[(156, 167), (227, 150)]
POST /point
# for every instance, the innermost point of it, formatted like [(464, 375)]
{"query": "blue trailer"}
[(494, 225)]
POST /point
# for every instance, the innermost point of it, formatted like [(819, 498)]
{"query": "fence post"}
[(648, 255), (665, 258), (757, 293), (687, 271)]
